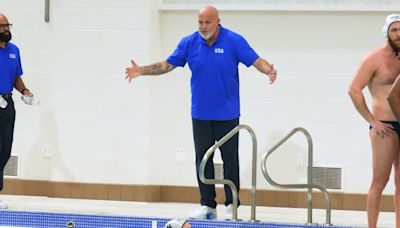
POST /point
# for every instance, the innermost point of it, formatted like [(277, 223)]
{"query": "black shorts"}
[(395, 124)]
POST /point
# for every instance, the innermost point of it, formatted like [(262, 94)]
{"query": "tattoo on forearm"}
[(157, 68), (170, 67), (153, 69)]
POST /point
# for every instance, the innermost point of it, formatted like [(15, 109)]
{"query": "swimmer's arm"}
[(394, 98), (360, 80)]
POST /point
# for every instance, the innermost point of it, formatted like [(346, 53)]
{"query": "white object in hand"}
[(3, 102), (30, 100)]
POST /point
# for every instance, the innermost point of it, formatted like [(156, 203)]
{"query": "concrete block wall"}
[(101, 129)]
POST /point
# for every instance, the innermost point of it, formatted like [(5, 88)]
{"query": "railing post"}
[(47, 11), (309, 175), (309, 186), (207, 156)]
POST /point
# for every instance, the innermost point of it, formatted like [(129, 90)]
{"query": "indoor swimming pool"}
[(44, 212), (9, 218)]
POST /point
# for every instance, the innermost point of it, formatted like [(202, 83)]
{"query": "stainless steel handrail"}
[(309, 184), (212, 149), (47, 11)]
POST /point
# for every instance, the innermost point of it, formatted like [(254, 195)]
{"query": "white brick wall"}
[(104, 130), (96, 123)]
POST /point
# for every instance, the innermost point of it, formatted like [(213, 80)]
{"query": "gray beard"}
[(206, 37)]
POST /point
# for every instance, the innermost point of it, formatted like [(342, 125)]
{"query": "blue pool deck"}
[(44, 212)]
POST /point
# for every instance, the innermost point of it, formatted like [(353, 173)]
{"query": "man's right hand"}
[(382, 129), (132, 71)]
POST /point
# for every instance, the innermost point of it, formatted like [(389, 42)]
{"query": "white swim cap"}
[(390, 20), (175, 223)]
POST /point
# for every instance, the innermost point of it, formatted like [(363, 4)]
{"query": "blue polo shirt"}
[(10, 67), (215, 76)]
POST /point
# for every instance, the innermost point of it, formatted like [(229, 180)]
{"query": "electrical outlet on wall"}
[(300, 160), (47, 151), (180, 156)]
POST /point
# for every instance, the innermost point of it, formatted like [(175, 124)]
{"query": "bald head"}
[(209, 11), (3, 19), (5, 34), (208, 22)]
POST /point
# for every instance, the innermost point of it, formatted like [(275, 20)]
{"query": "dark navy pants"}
[(206, 133), (7, 120)]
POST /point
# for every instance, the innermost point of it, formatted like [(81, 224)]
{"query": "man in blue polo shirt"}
[(10, 77), (213, 54)]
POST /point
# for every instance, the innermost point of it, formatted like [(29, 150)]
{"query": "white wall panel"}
[(89, 115), (102, 4), (101, 19)]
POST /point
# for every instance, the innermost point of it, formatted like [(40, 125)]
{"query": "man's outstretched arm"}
[(264, 67), (159, 68)]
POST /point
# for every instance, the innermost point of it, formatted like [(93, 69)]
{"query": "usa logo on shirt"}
[(219, 50), (12, 56)]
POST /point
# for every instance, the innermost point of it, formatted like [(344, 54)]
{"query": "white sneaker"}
[(228, 212), (204, 212), (3, 205)]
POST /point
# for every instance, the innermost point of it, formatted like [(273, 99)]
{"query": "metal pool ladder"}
[(309, 184), (212, 149)]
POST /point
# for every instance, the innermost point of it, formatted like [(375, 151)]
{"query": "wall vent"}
[(12, 167), (329, 177)]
